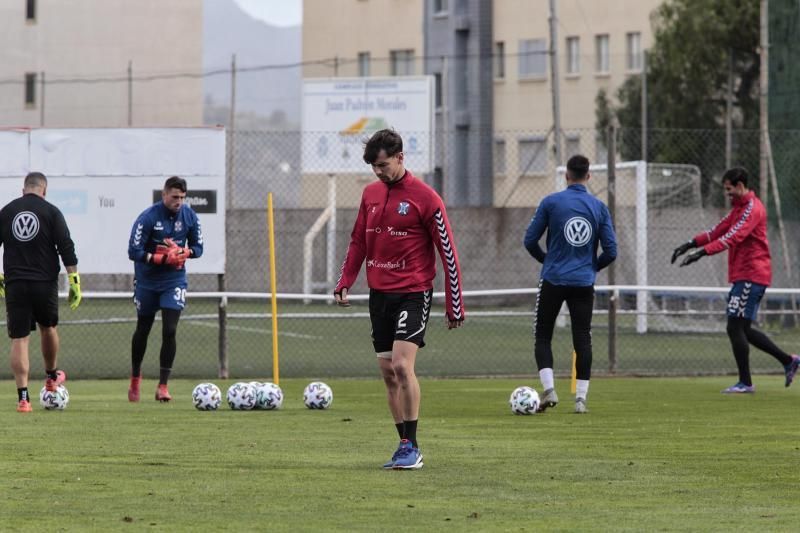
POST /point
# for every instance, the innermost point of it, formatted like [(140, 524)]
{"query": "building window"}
[(438, 98), (573, 55), (439, 6), (601, 54), (363, 64), (499, 60), (633, 51), (532, 58), (30, 10), (572, 145), (30, 89), (532, 156), (499, 157), (402, 62)]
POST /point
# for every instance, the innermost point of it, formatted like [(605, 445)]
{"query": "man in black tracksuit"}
[(34, 234)]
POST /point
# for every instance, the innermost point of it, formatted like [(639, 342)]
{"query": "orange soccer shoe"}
[(133, 390), (162, 394), (52, 384), (24, 406)]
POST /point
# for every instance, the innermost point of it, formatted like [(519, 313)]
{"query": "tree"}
[(687, 82), (688, 64), (604, 113)]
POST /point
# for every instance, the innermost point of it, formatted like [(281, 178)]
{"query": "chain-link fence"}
[(682, 334)]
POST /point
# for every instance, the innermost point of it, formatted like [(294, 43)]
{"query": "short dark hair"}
[(735, 175), (577, 167), (35, 179), (388, 140), (175, 183)]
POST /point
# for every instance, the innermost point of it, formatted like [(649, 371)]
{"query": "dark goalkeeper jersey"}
[(34, 234), (153, 225)]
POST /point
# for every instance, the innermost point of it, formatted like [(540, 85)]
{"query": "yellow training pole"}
[(573, 384), (272, 287)]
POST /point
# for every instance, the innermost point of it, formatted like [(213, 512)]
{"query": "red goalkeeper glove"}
[(170, 254)]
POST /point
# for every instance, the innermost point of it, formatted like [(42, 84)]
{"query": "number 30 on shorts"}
[(180, 295)]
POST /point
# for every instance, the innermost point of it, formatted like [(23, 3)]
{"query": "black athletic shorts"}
[(29, 302), (398, 317)]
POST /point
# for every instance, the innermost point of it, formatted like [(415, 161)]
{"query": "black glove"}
[(682, 249), (694, 256)]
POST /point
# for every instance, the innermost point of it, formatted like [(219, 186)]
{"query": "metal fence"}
[(685, 328)]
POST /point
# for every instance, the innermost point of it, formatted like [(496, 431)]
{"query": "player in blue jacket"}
[(163, 237), (576, 222)]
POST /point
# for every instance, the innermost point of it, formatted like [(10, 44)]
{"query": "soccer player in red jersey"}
[(401, 223), (743, 233)]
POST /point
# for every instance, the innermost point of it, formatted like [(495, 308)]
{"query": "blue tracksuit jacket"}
[(576, 222)]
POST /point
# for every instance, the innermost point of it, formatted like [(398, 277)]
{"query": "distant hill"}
[(266, 98)]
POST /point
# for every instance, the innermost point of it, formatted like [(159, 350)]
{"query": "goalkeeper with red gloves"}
[(34, 234), (163, 237), (743, 233)]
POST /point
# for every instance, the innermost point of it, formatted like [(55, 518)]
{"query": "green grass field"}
[(652, 454)]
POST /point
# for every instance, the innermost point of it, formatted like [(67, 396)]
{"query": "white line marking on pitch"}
[(260, 331)]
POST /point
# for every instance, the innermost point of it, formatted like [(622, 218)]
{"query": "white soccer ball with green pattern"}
[(317, 395), (241, 396), (56, 400), (524, 401), (206, 397), (268, 396)]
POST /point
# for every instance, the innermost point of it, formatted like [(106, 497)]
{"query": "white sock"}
[(581, 389), (546, 377)]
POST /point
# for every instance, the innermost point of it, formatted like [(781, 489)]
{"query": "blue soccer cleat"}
[(403, 444), (791, 369), (408, 457), (740, 388)]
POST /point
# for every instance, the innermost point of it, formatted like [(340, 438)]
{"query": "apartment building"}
[(491, 63), (108, 63)]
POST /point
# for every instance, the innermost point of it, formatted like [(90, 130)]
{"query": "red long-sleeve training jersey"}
[(743, 232), (396, 230)]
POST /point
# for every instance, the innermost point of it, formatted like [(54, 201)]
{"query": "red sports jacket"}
[(396, 230), (743, 232)]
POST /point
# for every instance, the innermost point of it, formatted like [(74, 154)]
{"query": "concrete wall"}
[(376, 27), (90, 39)]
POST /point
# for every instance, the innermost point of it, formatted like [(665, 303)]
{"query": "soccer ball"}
[(317, 395), (241, 397), (524, 401), (206, 397), (268, 396), (55, 400)]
